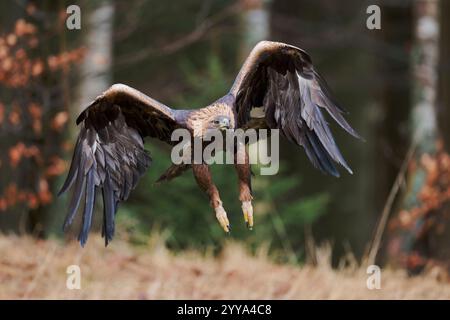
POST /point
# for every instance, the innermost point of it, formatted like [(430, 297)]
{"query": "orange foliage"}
[(32, 200), (15, 65), (23, 28), (37, 68), (67, 146), (16, 68), (65, 59), (17, 152), (420, 220), (57, 167), (14, 115), (45, 196), (27, 118), (36, 114), (60, 120), (434, 193)]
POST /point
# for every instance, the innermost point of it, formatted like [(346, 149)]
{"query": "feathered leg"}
[(244, 173), (203, 177)]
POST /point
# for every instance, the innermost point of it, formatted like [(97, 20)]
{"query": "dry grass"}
[(37, 269)]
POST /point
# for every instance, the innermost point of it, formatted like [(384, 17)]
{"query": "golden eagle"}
[(276, 77)]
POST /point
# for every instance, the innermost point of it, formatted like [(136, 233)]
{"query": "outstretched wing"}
[(279, 85), (109, 153)]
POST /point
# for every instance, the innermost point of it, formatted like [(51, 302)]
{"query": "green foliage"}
[(205, 86), (183, 210)]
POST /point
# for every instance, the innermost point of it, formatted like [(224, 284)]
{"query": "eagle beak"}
[(224, 124)]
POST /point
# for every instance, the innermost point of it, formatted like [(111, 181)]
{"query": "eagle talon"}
[(221, 216), (247, 209)]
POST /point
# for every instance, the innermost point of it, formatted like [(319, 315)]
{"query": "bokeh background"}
[(393, 81)]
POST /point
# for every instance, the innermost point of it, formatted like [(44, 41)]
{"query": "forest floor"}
[(37, 270)]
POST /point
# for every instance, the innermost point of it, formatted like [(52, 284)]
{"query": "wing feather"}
[(88, 208), (282, 80), (109, 209), (109, 153)]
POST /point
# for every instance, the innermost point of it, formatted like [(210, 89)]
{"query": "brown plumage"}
[(277, 88)]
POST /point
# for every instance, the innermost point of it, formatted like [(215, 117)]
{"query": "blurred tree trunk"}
[(95, 70), (416, 220), (255, 18), (434, 236), (425, 57), (444, 74)]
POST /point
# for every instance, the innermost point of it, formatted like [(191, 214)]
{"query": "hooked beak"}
[(224, 124)]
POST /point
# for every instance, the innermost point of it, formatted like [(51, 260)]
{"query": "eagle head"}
[(219, 122)]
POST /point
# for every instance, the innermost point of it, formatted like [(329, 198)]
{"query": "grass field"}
[(37, 270)]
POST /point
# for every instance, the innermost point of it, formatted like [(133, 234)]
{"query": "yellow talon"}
[(250, 223), (247, 209), (221, 216)]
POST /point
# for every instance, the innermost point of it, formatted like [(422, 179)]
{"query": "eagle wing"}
[(279, 85), (109, 153)]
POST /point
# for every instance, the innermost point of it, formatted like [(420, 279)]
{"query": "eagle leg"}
[(244, 173), (203, 177)]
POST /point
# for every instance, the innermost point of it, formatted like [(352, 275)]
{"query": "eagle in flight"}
[(277, 78)]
